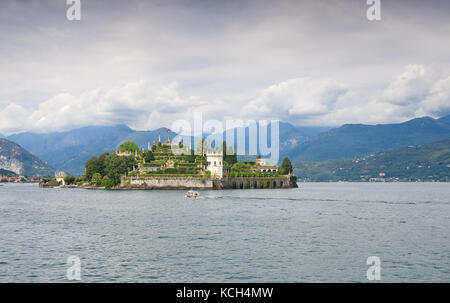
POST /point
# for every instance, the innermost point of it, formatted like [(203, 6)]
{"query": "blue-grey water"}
[(320, 232)]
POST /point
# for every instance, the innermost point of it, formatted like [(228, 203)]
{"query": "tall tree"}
[(286, 165), (95, 165), (202, 147)]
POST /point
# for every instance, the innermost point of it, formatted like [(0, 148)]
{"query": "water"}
[(320, 232)]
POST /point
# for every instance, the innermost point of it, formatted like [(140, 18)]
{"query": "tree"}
[(69, 180), (286, 166), (81, 179), (228, 155), (95, 165), (108, 183), (191, 157), (129, 146), (116, 166), (96, 179), (202, 147), (148, 156)]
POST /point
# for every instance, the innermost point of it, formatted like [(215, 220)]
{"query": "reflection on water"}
[(318, 232)]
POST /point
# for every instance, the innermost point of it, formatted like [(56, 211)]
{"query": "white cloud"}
[(409, 87), (415, 92), (296, 98), (137, 104), (302, 101), (437, 101)]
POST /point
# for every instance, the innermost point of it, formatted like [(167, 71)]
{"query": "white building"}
[(261, 161), (215, 164)]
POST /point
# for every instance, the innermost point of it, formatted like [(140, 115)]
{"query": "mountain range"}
[(16, 160), (356, 140), (70, 150), (428, 162)]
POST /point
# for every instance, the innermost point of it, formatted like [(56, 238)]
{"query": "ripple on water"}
[(315, 233)]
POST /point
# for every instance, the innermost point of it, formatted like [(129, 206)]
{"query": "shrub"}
[(108, 183)]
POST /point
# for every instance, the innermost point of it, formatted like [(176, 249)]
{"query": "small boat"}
[(192, 194)]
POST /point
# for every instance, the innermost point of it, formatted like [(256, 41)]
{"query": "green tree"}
[(129, 146), (96, 179), (81, 179), (202, 147), (286, 166), (228, 155), (108, 183), (148, 156), (191, 157), (69, 180), (115, 166), (95, 165)]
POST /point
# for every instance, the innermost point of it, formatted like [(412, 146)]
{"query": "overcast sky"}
[(148, 63)]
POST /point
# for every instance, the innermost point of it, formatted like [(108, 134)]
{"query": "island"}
[(158, 167)]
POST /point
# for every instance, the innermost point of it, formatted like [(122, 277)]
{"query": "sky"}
[(149, 63)]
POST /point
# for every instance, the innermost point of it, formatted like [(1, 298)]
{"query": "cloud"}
[(137, 104), (417, 91), (296, 98), (437, 102), (409, 87)]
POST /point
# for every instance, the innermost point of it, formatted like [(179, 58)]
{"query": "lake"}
[(319, 232)]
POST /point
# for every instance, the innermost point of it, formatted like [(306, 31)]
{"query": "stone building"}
[(215, 164)]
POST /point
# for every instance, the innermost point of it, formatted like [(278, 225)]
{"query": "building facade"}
[(215, 164)]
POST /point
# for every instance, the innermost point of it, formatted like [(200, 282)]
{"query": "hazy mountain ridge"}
[(70, 150), (356, 140), (445, 119), (429, 162), (14, 158)]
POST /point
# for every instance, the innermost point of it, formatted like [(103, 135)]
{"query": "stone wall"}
[(166, 183), (197, 183), (254, 182)]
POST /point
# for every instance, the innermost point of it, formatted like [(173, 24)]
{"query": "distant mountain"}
[(69, 151), (290, 137), (356, 140), (429, 162), (445, 119), (14, 158), (5, 172)]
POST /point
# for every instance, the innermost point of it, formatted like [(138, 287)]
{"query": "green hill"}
[(430, 162), (13, 158), (357, 140)]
